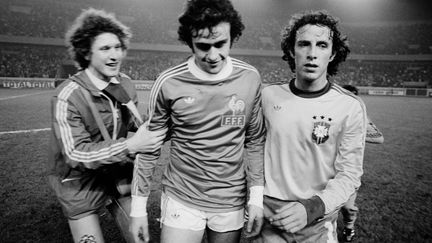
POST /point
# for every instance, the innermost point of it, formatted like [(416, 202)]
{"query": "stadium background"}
[(391, 57)]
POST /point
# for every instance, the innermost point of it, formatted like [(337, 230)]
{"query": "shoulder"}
[(124, 76), (125, 79), (173, 71), (127, 84), (164, 78), (347, 95), (66, 89), (243, 65), (272, 87)]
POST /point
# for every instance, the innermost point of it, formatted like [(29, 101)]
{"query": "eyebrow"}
[(318, 42), (303, 42), (203, 45), (323, 42), (112, 44), (213, 44)]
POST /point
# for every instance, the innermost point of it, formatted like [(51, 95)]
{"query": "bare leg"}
[(120, 210), (223, 237), (175, 235), (86, 229)]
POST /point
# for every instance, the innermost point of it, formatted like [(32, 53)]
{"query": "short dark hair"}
[(86, 27), (321, 18), (206, 14), (351, 88)]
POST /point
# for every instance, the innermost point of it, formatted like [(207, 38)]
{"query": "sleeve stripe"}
[(67, 137), (241, 64), (61, 116), (343, 91), (135, 182), (159, 82), (163, 74)]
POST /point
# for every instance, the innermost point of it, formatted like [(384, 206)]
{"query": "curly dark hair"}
[(322, 18), (89, 24), (206, 14)]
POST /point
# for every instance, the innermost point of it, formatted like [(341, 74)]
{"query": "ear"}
[(88, 55), (291, 54), (332, 57)]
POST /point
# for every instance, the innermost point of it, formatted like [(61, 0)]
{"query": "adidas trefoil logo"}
[(189, 100), (277, 107)]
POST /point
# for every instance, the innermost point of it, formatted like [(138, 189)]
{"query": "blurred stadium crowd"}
[(155, 22)]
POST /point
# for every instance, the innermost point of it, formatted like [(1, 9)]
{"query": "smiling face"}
[(312, 53), (106, 55), (211, 48)]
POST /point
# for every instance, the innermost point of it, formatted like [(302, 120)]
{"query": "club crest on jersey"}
[(88, 239), (235, 117), (320, 132)]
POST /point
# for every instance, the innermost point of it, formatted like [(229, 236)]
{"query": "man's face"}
[(106, 55), (312, 52), (211, 48)]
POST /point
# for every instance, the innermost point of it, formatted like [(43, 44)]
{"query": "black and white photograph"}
[(215, 121)]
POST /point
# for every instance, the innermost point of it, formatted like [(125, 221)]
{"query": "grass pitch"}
[(395, 199)]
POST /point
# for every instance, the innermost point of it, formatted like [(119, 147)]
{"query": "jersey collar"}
[(200, 74), (306, 94), (99, 83)]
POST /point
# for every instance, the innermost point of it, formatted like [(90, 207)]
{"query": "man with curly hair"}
[(91, 158), (315, 136), (211, 104)]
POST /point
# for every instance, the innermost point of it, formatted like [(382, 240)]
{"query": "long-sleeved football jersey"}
[(211, 119), (315, 143)]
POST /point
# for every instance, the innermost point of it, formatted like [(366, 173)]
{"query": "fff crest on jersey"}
[(235, 117), (320, 132)]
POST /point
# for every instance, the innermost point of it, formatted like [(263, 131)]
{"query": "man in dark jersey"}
[(211, 104)]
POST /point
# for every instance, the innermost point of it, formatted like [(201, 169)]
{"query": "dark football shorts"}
[(91, 191)]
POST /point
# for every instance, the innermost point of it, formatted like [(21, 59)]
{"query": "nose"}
[(213, 54), (116, 53), (311, 55)]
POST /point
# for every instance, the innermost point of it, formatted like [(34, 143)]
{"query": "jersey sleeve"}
[(349, 161), (76, 142), (145, 162), (254, 144)]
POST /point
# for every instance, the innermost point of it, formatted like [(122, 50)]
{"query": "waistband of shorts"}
[(170, 192)]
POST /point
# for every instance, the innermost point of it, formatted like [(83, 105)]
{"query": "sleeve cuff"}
[(138, 206), (314, 208), (256, 196)]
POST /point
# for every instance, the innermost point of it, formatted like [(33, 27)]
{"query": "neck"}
[(99, 75), (310, 85)]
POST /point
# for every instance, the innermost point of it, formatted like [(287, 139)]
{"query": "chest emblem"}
[(236, 117), (277, 107), (320, 132), (189, 100)]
